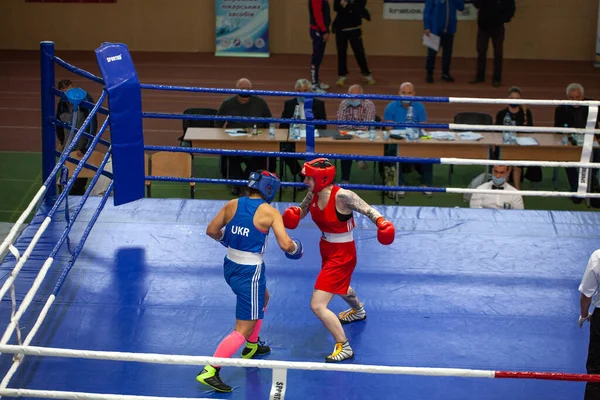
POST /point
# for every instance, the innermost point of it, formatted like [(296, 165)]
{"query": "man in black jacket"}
[(492, 16), (573, 117), (346, 27), (243, 105), (318, 110), (64, 113)]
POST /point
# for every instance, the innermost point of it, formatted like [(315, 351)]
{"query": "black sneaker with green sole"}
[(210, 377), (255, 349)]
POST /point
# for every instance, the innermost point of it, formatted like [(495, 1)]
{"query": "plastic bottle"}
[(372, 132), (412, 134), (295, 127), (272, 131), (507, 135)]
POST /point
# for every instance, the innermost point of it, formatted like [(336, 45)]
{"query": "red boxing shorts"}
[(337, 266)]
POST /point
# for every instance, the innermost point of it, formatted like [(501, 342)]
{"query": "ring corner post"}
[(47, 98), (126, 129), (310, 128)]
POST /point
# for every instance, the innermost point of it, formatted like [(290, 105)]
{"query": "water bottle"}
[(372, 133), (272, 131), (565, 137), (507, 135), (412, 134), (295, 127), (254, 130), (513, 134)]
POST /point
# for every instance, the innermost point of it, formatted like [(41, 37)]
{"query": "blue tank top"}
[(240, 232)]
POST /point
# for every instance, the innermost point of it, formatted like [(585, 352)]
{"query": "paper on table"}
[(235, 132), (432, 41), (527, 141)]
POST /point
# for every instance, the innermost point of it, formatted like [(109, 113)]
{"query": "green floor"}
[(20, 178)]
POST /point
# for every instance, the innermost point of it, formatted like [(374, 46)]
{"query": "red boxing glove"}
[(291, 217), (385, 231)]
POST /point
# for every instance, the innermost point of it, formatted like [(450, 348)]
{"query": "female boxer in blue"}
[(243, 226)]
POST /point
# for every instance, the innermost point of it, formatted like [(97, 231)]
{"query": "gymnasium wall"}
[(541, 29)]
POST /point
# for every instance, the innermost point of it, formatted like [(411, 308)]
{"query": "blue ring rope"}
[(77, 170), (77, 71), (391, 159), (88, 135), (241, 182), (79, 248), (78, 210), (429, 99), (89, 166), (289, 120), (71, 147), (92, 77)]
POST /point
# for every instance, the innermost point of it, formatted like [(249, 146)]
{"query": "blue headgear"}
[(267, 184)]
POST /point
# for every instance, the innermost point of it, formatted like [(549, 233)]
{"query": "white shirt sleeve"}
[(476, 200), (589, 282)]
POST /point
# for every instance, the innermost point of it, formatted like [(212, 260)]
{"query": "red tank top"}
[(327, 220)]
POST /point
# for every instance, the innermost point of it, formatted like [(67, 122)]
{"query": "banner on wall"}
[(413, 10), (242, 28), (597, 62)]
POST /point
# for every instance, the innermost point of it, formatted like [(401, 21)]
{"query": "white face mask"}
[(498, 181)]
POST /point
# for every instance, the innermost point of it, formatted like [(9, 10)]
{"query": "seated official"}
[(289, 107), (574, 117), (243, 105), (521, 115), (397, 111), (354, 110), (506, 197)]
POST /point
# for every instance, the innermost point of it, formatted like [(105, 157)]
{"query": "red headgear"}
[(321, 170)]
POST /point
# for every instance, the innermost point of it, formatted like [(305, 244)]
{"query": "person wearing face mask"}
[(522, 116), (506, 196), (243, 105), (396, 111), (289, 106), (354, 110), (573, 117)]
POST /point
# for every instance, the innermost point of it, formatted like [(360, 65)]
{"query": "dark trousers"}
[(318, 52), (346, 169), (355, 38), (292, 163), (446, 43), (483, 39), (78, 188), (592, 390), (573, 173)]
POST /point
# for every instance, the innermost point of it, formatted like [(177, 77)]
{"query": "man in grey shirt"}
[(243, 105)]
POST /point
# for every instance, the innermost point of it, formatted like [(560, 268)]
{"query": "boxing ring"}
[(117, 298)]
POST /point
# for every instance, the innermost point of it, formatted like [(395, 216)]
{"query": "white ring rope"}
[(477, 100), (9, 240), (531, 129), (171, 359), (55, 394)]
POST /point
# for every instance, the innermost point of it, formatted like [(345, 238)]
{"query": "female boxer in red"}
[(331, 208)]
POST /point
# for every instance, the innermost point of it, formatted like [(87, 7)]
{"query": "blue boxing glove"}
[(297, 252)]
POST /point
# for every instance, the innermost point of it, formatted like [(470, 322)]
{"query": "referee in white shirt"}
[(589, 288), (507, 197)]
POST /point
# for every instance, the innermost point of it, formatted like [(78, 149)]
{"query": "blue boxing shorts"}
[(249, 284)]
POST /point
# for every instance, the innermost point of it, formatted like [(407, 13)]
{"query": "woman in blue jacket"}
[(439, 18)]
